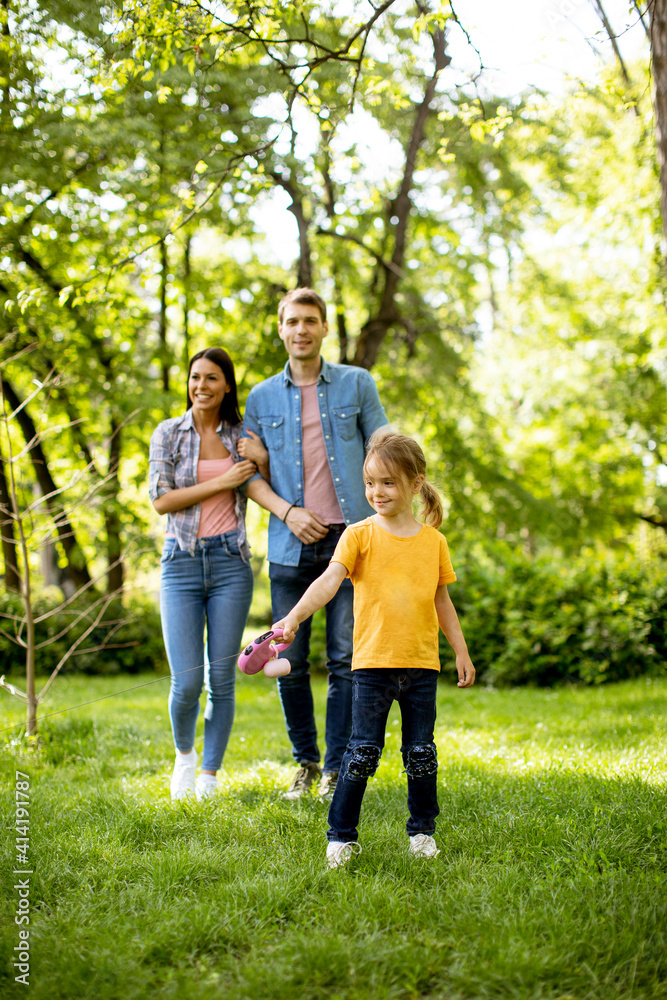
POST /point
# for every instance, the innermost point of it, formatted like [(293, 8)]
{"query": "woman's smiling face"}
[(207, 385)]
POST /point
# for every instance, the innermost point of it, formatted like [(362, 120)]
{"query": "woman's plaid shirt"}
[(174, 453)]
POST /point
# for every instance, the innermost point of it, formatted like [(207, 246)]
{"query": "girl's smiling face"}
[(387, 493)]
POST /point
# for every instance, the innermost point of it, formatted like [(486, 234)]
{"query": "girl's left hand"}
[(465, 670), (252, 448)]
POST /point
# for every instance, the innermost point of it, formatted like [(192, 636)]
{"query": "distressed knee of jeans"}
[(364, 762), (421, 761)]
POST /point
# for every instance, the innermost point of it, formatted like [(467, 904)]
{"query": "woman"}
[(195, 472)]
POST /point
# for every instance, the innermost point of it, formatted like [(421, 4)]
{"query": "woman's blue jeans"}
[(213, 588), (373, 692)]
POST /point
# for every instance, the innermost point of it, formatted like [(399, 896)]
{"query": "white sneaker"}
[(423, 846), (183, 775), (205, 785), (339, 852)]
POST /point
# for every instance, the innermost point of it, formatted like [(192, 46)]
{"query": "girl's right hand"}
[(290, 626), (239, 473)]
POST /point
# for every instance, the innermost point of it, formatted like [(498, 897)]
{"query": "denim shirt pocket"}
[(346, 420), (273, 431)]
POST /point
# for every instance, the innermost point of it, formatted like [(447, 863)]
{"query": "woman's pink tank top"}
[(217, 513)]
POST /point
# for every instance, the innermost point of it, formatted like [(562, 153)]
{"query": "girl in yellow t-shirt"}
[(400, 568)]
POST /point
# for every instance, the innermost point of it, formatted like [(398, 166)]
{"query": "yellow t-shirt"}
[(395, 580)]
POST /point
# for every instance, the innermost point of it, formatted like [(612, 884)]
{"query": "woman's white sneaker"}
[(423, 846), (183, 775), (339, 852), (205, 785)]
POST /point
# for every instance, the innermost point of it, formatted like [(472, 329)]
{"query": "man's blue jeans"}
[(288, 585), (212, 588), (374, 691)]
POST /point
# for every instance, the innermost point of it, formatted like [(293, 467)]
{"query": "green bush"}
[(539, 622), (134, 646), (545, 622)]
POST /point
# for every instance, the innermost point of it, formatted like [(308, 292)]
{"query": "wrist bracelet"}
[(287, 512)]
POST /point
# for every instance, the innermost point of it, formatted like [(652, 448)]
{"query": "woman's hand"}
[(187, 496), (251, 447), (239, 473)]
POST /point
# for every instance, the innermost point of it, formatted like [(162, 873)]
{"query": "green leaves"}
[(549, 621), (508, 252)]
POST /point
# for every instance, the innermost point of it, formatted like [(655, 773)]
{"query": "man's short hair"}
[(306, 296)]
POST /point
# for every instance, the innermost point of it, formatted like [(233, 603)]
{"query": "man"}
[(314, 419)]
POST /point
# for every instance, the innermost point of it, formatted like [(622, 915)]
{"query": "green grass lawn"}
[(552, 881)]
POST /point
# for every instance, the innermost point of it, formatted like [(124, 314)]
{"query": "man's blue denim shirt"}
[(350, 410)]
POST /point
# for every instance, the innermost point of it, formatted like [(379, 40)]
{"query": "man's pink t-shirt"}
[(319, 493)]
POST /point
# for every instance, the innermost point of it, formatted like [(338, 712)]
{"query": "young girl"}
[(400, 569)]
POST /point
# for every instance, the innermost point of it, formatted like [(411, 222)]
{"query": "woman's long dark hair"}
[(229, 408)]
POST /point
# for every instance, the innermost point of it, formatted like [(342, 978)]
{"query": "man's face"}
[(302, 331)]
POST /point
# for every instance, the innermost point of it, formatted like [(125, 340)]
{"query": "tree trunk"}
[(26, 593), (614, 42), (12, 578), (330, 203), (187, 270), (116, 572), (77, 569), (304, 277), (162, 326), (376, 327), (9, 81), (659, 63), (31, 708)]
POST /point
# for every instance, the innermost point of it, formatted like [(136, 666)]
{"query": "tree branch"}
[(388, 265), (655, 519)]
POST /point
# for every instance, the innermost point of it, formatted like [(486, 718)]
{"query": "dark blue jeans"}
[(373, 692), (288, 585)]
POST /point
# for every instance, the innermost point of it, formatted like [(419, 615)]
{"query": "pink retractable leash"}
[(262, 654)]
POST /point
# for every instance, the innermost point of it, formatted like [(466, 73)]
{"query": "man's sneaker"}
[(307, 773), (328, 784), (183, 775), (205, 785), (339, 852), (423, 846)]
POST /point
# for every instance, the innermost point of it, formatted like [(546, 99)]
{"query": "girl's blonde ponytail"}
[(431, 511)]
